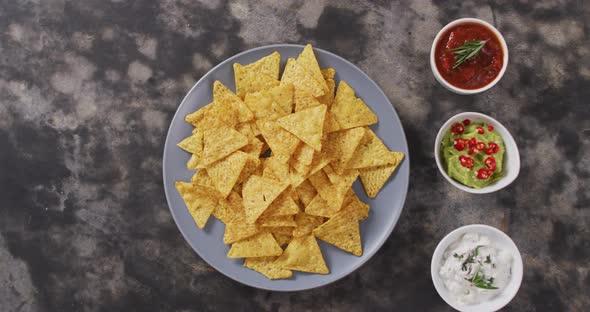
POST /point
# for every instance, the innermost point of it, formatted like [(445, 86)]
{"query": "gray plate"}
[(385, 209)]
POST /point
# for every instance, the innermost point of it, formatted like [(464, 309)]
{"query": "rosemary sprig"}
[(467, 51), (480, 281)]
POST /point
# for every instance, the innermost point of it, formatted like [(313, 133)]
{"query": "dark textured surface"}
[(87, 89)]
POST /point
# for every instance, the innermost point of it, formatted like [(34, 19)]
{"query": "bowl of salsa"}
[(468, 56)]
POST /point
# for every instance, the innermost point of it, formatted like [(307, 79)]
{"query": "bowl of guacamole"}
[(476, 153)]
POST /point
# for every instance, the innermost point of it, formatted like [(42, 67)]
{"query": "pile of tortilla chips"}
[(276, 162)]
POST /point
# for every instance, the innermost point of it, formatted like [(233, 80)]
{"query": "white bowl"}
[(511, 165), (503, 242), (445, 83)]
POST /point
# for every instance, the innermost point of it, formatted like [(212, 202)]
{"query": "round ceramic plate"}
[(385, 209)]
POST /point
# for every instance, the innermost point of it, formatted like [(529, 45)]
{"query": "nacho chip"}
[(355, 207), (275, 221), (248, 81), (259, 245), (304, 100), (303, 254), (350, 111), (200, 200), (342, 145), (343, 232), (300, 78), (268, 65), (275, 168), (282, 239), (237, 231), (258, 194), (220, 142), (319, 207), (252, 164), (371, 153), (263, 106), (373, 178), (230, 208), (283, 95), (308, 61), (330, 125), (307, 125), (267, 267), (283, 230), (281, 142), (328, 73), (254, 148), (192, 144), (225, 172), (328, 98), (224, 96), (284, 205), (195, 117), (202, 178), (305, 224), (193, 162), (306, 192)]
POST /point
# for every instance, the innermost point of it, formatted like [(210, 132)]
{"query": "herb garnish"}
[(470, 259), (480, 281), (488, 259), (467, 51), (477, 250), (457, 256)]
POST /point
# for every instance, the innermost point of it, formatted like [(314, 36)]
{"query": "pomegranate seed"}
[(490, 128), (480, 146), (490, 163), (466, 162), (467, 122), (459, 145), (457, 128), (492, 148), (483, 174), (480, 130)]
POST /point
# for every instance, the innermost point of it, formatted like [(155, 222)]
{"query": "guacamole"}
[(473, 154)]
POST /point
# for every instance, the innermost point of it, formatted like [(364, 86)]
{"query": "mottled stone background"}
[(87, 89)]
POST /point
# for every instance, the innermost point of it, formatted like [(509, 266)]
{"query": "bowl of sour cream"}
[(477, 268)]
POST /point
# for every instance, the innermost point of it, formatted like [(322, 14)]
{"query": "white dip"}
[(474, 269)]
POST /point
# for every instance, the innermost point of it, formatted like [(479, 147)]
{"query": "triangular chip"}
[(223, 95), (328, 73), (305, 224), (282, 206), (193, 162), (248, 81), (193, 144), (343, 232), (319, 207), (354, 206), (275, 221), (300, 78), (303, 254), (304, 100), (306, 192), (281, 142), (282, 239), (283, 95), (267, 267), (268, 65), (200, 200), (202, 178), (252, 164), (221, 114), (260, 245), (239, 230), (220, 142), (263, 106), (307, 125), (350, 111), (331, 125), (225, 172), (258, 194), (230, 209), (374, 178), (285, 230), (371, 153), (195, 117), (342, 145), (328, 98), (308, 61)]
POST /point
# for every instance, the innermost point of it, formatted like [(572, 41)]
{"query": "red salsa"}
[(477, 71)]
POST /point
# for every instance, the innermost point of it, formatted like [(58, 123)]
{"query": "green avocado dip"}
[(472, 153)]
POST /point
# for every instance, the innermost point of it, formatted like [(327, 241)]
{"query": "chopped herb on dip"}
[(474, 269)]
